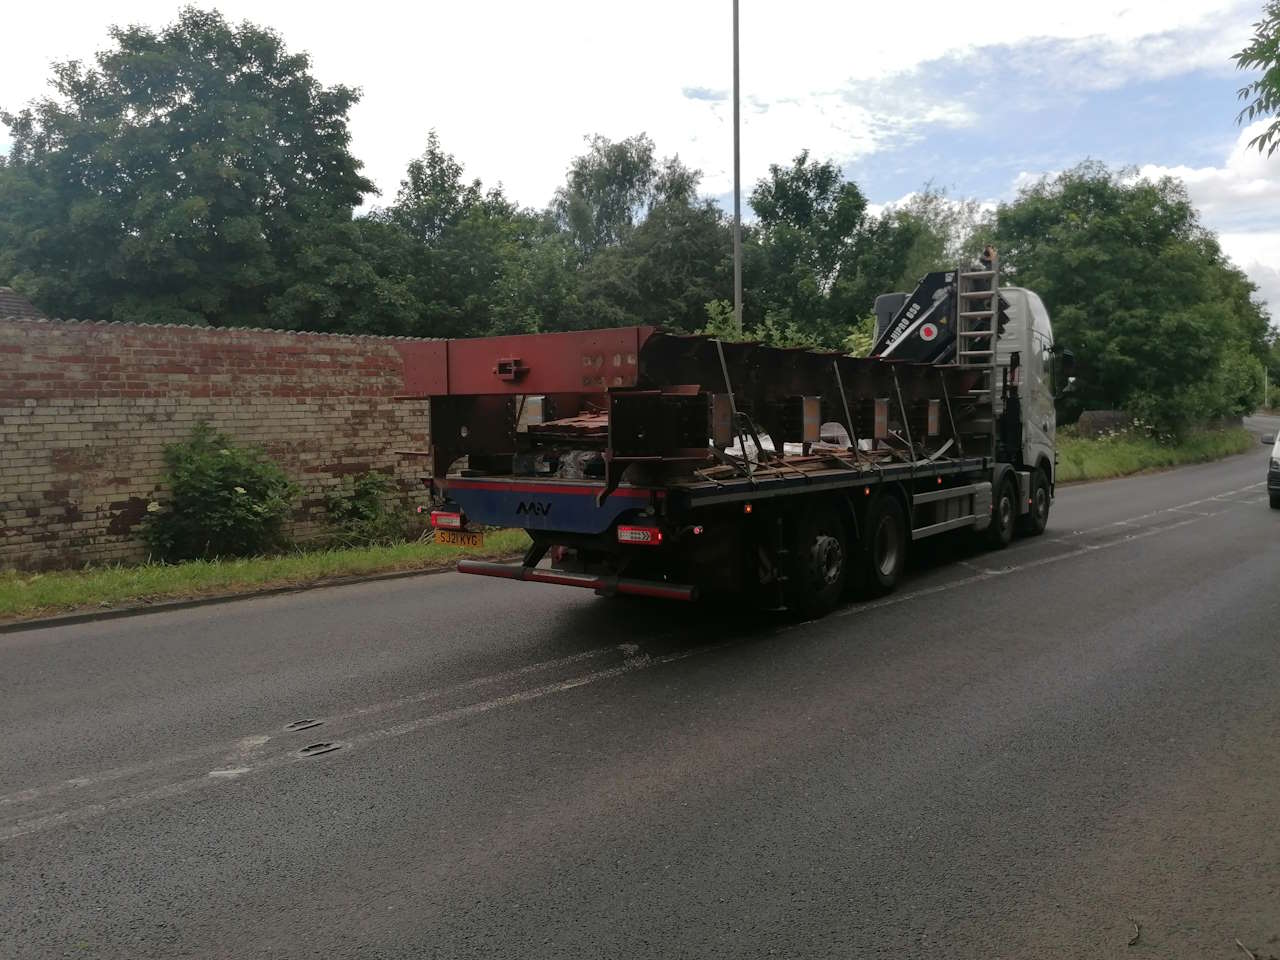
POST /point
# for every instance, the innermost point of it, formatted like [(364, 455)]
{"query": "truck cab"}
[(947, 320), (1028, 336)]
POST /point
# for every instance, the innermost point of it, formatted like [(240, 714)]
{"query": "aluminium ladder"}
[(977, 330)]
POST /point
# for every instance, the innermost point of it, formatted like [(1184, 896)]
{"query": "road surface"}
[(1039, 752)]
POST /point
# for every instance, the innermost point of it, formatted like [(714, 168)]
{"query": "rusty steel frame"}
[(474, 385)]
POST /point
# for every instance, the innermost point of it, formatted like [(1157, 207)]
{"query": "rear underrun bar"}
[(608, 585)]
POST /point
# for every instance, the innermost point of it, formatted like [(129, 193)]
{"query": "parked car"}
[(1273, 471)]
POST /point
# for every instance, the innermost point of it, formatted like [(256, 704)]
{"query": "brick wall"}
[(87, 408)]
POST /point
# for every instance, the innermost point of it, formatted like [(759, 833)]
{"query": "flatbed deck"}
[(780, 480)]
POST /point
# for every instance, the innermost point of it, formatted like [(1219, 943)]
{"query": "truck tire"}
[(1032, 523), (817, 563), (1004, 513), (1275, 501), (882, 551)]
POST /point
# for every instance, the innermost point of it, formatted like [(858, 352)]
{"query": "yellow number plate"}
[(460, 538)]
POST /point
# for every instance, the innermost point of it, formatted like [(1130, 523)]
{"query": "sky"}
[(975, 98)]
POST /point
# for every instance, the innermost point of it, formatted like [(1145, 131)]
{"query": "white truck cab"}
[(1028, 334)]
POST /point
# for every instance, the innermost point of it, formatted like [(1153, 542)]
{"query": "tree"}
[(612, 186), (433, 196), (1138, 288), (480, 264), (862, 337), (1262, 96), (802, 260), (1272, 363), (664, 273), (944, 232), (177, 179), (352, 276), (879, 260), (810, 200)]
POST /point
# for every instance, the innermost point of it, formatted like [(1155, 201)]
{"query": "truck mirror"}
[(1068, 364), (1268, 440)]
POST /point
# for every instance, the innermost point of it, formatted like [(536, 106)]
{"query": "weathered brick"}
[(86, 411)]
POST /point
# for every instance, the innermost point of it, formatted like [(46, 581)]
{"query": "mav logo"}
[(533, 508)]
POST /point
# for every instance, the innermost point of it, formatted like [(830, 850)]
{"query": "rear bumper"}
[(561, 506), (607, 585)]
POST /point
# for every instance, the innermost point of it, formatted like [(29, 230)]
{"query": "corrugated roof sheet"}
[(14, 304)]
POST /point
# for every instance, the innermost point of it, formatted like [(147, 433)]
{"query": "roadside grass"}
[(1117, 456), (24, 595)]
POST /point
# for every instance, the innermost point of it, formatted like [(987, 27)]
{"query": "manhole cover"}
[(315, 749)]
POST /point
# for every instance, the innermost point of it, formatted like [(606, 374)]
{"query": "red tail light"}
[(646, 536), (445, 520)]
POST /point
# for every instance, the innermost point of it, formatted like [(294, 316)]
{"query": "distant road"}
[(1011, 757)]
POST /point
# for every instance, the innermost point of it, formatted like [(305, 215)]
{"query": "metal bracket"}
[(509, 369)]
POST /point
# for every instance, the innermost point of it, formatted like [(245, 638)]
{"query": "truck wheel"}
[(818, 563), (1275, 501), (1033, 523), (882, 552), (1004, 512)]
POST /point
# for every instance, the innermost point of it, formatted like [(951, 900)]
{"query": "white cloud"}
[(1258, 254), (1238, 194)]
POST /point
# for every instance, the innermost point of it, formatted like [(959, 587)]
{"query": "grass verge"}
[(25, 595), (1126, 453)]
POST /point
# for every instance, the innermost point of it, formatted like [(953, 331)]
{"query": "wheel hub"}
[(827, 560)]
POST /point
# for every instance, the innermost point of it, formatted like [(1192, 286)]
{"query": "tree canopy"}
[(1164, 324), (178, 179)]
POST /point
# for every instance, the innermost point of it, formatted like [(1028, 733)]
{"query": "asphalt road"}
[(1011, 757)]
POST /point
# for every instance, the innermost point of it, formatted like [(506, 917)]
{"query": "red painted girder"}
[(574, 362)]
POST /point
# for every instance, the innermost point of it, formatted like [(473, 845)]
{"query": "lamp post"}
[(737, 187)]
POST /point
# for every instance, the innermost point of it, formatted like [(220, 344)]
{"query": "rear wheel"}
[(1275, 501), (1037, 516), (1004, 512), (817, 563), (882, 551)]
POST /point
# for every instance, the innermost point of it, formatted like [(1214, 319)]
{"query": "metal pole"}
[(737, 187), (844, 400)]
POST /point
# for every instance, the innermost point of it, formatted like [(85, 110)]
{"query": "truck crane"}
[(644, 462)]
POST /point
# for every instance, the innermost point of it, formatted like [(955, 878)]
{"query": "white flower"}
[(241, 490), (153, 507)]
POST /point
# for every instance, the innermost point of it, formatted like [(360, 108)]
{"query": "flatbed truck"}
[(647, 463)]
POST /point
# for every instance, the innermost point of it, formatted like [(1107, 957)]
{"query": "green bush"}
[(360, 513), (225, 501)]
